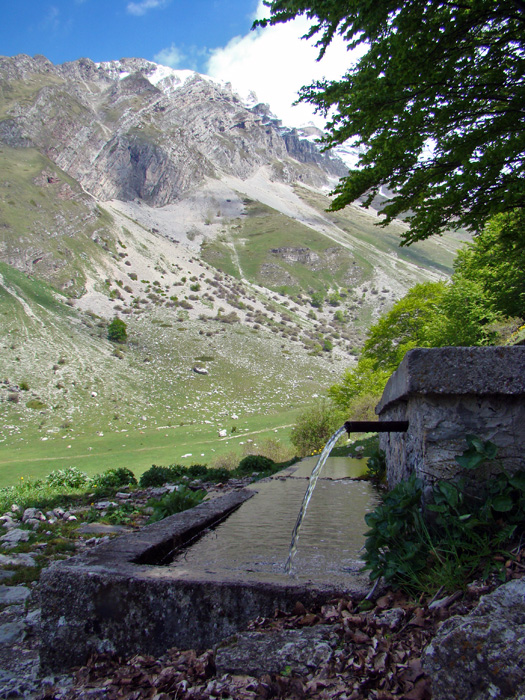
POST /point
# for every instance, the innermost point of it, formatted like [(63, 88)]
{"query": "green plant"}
[(114, 478), (175, 502), (314, 427), (197, 471), (376, 466), (70, 477), (456, 535), (124, 514), (218, 474), (254, 463), (158, 475), (117, 332)]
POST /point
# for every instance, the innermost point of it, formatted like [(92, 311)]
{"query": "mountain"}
[(161, 196)]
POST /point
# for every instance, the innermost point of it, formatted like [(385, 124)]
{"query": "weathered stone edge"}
[(457, 370)]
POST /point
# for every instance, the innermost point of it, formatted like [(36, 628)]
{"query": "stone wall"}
[(446, 394)]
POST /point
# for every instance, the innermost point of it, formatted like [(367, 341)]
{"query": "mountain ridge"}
[(202, 223)]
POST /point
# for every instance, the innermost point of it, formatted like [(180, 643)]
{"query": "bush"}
[(157, 475), (314, 427), (117, 332), (70, 477), (175, 502), (218, 474), (272, 448), (254, 463), (197, 471), (227, 461), (114, 479)]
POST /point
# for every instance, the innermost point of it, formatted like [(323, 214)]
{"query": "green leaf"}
[(502, 503)]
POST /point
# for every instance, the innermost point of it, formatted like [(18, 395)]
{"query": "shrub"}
[(117, 332), (197, 470), (114, 479), (272, 448), (218, 474), (36, 404), (254, 463), (24, 386), (227, 461), (157, 475), (175, 502), (70, 477), (314, 427)]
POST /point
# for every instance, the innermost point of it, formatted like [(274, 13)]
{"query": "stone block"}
[(446, 394)]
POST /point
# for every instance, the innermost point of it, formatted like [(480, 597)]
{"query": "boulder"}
[(481, 656)]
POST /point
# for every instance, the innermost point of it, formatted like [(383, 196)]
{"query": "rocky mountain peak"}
[(133, 129)]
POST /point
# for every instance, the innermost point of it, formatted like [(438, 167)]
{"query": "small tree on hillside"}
[(117, 331)]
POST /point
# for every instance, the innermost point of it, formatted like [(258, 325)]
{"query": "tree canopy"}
[(436, 105)]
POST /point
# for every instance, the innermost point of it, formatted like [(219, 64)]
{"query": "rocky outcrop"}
[(481, 656), (132, 129)]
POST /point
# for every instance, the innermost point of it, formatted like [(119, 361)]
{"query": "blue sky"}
[(103, 30), (210, 36)]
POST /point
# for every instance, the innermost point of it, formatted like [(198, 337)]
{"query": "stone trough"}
[(128, 596)]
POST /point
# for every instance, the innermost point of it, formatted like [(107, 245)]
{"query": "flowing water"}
[(253, 543), (308, 495)]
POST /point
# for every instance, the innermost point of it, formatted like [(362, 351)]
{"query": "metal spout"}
[(370, 426)]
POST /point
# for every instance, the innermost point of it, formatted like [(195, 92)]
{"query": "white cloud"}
[(171, 57), (140, 8), (275, 63)]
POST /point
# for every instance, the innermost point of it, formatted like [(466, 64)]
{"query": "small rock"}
[(11, 632), (8, 522), (32, 620), (102, 505), (13, 595), (58, 512), (17, 560), (259, 653), (14, 537), (29, 514), (390, 618), (101, 529), (121, 494)]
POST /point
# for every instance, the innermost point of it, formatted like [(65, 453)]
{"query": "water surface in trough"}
[(253, 542)]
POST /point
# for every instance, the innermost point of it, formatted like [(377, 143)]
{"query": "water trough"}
[(195, 578)]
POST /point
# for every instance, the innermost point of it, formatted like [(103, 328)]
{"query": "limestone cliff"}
[(132, 129)]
